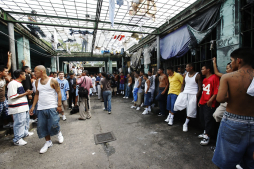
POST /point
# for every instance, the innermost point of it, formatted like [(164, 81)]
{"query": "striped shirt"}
[(16, 104)]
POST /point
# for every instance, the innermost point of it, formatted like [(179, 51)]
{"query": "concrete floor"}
[(143, 141)]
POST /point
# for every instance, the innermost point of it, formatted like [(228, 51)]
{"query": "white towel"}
[(250, 90)]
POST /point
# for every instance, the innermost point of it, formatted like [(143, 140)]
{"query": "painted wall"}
[(23, 49), (228, 33)]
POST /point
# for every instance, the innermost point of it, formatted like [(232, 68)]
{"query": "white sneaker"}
[(133, 107), (149, 109), (205, 140), (138, 108), (64, 117), (133, 101), (167, 120), (170, 122), (142, 105), (201, 136), (21, 142), (29, 134), (44, 149), (185, 128), (60, 137), (145, 112), (238, 166), (11, 124), (124, 97)]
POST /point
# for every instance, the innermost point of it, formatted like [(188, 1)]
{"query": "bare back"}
[(239, 102)]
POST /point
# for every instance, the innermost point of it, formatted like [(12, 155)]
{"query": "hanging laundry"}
[(119, 2), (128, 5), (147, 56), (111, 11)]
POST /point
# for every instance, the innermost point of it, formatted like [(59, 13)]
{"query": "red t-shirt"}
[(210, 88)]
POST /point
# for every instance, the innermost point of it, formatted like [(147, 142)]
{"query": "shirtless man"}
[(162, 95), (128, 88), (235, 141), (48, 106)]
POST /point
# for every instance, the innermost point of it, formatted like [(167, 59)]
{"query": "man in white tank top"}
[(47, 88), (190, 92)]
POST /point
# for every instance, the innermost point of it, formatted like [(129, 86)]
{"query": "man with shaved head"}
[(48, 107)]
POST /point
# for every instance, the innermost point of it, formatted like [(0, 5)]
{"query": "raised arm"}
[(216, 71), (9, 61), (23, 63)]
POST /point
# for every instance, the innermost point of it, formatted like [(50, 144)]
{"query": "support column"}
[(23, 47), (106, 66), (65, 67), (123, 66), (12, 46), (109, 66), (158, 52), (53, 64), (57, 61)]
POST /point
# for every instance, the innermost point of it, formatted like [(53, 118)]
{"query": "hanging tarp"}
[(175, 44), (205, 20), (198, 36)]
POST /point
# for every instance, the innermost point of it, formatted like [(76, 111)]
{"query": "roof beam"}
[(81, 27), (97, 18), (77, 19)]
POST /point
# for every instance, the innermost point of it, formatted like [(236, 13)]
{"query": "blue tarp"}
[(175, 44)]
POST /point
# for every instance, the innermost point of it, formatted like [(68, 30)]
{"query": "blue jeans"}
[(121, 86), (235, 142), (48, 122), (20, 125), (171, 102), (162, 99), (147, 99), (107, 100), (127, 91), (135, 94)]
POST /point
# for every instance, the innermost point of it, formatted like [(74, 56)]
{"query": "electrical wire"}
[(29, 48)]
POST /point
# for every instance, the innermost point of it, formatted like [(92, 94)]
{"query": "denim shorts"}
[(235, 142), (147, 99), (48, 122), (171, 102)]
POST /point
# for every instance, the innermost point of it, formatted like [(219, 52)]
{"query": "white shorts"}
[(94, 89), (188, 102)]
